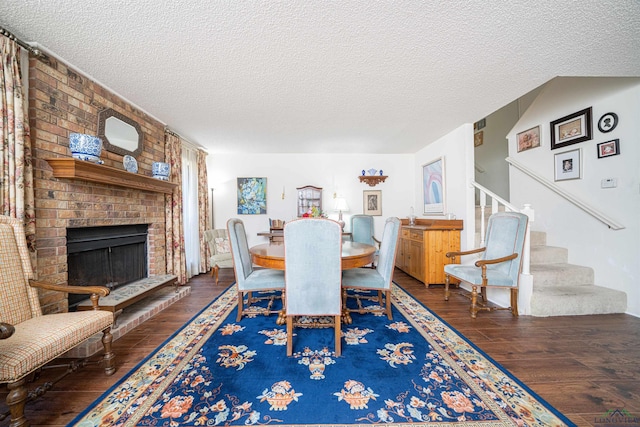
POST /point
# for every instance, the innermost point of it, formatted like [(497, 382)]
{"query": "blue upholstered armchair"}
[(249, 280), (500, 263), (380, 278), (313, 267), (362, 231)]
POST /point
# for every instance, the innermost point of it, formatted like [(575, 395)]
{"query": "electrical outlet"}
[(609, 183)]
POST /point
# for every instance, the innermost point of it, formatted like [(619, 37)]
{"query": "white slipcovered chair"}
[(28, 339), (378, 279), (313, 267), (220, 250), (249, 280)]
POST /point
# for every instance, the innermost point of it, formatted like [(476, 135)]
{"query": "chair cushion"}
[(365, 278), (472, 274), (264, 279), (14, 304), (221, 260), (222, 245), (39, 340)]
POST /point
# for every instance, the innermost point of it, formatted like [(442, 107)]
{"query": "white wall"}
[(335, 173), (457, 150), (614, 255)]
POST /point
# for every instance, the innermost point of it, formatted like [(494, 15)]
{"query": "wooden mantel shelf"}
[(68, 167)]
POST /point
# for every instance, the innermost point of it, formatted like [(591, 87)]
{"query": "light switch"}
[(609, 183)]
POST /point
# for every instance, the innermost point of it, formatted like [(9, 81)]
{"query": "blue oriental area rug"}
[(413, 370)]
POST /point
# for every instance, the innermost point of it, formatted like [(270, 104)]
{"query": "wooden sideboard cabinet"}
[(422, 248)]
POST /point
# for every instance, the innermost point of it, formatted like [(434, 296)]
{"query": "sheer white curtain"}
[(190, 210)]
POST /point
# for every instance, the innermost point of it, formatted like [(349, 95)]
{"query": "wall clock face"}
[(608, 122)]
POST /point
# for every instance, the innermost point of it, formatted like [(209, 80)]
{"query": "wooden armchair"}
[(28, 339)]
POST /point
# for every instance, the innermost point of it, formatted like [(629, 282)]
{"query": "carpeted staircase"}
[(563, 289)]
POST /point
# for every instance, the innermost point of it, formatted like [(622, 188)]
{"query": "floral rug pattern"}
[(412, 370)]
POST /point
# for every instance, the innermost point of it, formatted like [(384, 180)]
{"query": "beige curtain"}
[(176, 261), (16, 172), (204, 214)]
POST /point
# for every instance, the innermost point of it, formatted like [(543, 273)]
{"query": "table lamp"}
[(340, 205)]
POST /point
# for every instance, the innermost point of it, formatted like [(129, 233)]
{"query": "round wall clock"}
[(608, 122)]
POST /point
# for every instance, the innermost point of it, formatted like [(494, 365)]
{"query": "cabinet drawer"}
[(416, 235), (405, 233)]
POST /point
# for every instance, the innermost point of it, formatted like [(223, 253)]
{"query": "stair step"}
[(549, 255), (561, 274), (538, 238), (566, 300)]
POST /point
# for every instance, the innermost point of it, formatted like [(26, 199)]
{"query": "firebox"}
[(109, 256)]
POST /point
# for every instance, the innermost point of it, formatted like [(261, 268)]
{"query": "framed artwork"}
[(571, 129), (528, 139), (252, 196), (567, 165), (433, 186), (608, 122), (478, 138), (609, 148), (372, 202)]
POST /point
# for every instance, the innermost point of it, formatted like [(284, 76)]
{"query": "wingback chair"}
[(249, 280), (499, 265), (379, 279), (220, 250), (313, 266), (29, 339), (362, 231)]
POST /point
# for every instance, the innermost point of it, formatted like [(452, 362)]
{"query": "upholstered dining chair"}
[(378, 279), (28, 339), (219, 249), (313, 266), (249, 280), (362, 231), (499, 265)]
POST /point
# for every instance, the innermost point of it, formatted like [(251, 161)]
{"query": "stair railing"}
[(496, 202), (612, 224)]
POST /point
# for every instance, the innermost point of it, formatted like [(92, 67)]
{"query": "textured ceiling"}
[(355, 76)]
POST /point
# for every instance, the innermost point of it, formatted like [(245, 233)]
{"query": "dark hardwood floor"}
[(582, 365)]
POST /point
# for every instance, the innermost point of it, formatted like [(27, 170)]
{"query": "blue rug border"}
[(546, 404), (542, 401)]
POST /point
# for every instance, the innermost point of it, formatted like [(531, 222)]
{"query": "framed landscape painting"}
[(433, 186), (252, 196)]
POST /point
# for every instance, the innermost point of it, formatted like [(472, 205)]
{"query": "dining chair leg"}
[(514, 301), (387, 297), (338, 337), (240, 304), (289, 335)]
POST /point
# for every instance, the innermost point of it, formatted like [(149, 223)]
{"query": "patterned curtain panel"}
[(176, 261), (16, 172), (204, 214)]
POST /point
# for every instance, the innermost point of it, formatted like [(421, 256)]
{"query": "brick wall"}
[(62, 101)]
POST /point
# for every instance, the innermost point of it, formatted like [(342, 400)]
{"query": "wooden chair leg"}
[(338, 338), (16, 400), (214, 272), (289, 335), (240, 304), (446, 287), (474, 302), (483, 292), (109, 356), (387, 297), (514, 301)]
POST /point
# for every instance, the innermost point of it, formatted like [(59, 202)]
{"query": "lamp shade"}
[(341, 205)]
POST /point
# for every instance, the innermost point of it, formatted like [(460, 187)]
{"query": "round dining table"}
[(271, 255)]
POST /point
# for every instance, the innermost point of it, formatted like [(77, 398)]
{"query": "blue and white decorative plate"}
[(130, 164)]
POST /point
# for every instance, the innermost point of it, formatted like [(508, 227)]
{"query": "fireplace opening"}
[(110, 256)]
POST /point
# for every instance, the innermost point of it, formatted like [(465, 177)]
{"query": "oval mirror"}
[(119, 133)]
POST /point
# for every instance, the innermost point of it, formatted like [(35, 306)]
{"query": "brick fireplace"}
[(62, 101)]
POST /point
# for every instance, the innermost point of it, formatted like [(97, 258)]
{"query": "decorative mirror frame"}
[(102, 120)]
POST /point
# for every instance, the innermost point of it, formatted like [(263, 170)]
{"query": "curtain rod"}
[(10, 36)]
